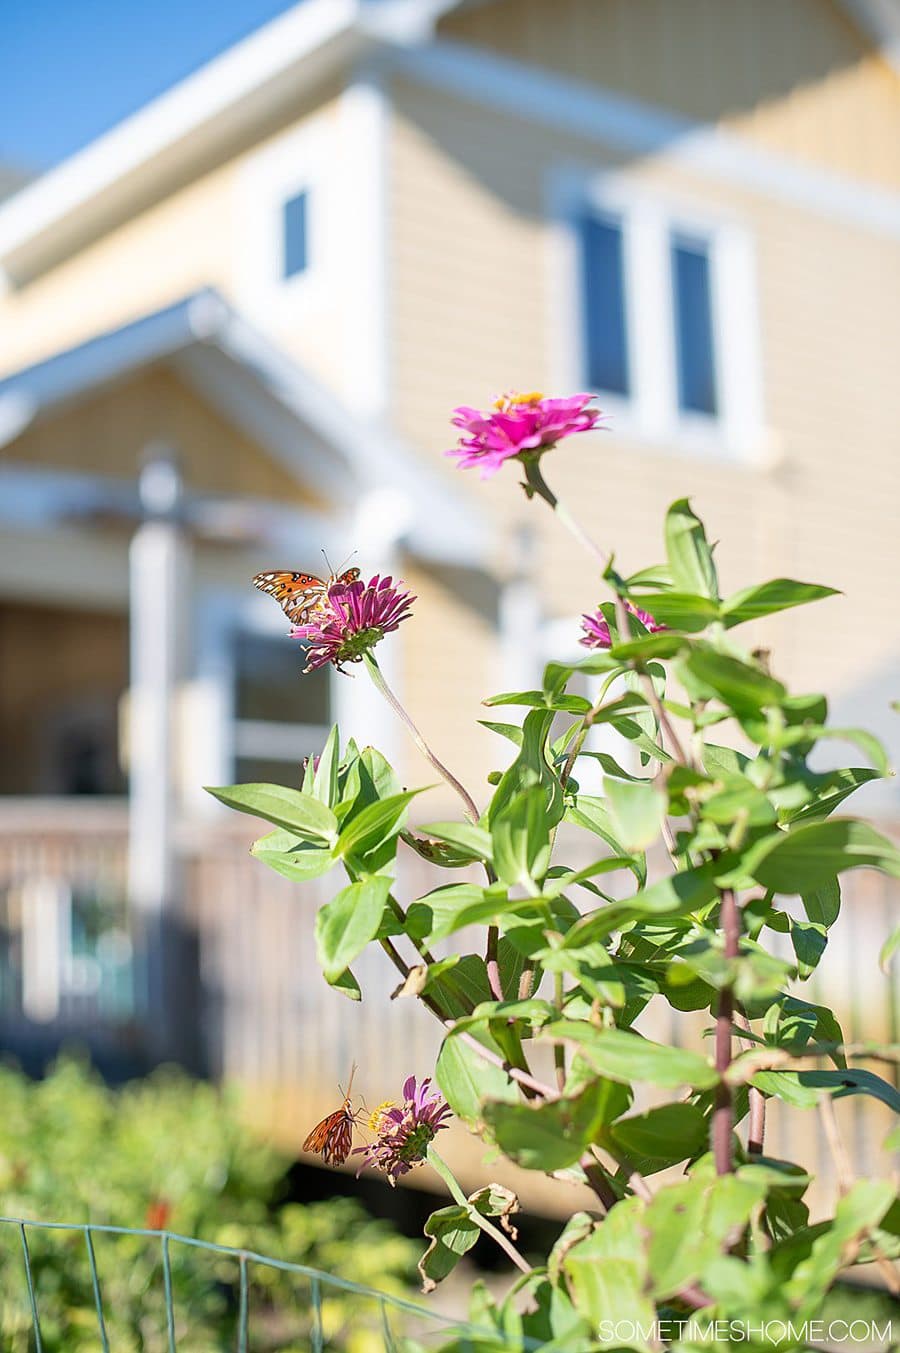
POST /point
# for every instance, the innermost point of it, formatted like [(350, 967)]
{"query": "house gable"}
[(800, 79), (106, 433)]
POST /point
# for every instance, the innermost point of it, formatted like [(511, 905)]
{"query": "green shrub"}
[(169, 1153)]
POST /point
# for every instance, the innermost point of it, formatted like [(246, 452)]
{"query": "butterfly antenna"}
[(347, 560), (331, 572), (349, 1083)]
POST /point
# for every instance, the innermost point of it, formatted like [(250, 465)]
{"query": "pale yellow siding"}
[(195, 237), (795, 76), (472, 300)]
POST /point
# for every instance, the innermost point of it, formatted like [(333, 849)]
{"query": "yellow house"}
[(291, 267)]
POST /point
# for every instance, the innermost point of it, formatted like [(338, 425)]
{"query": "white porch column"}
[(158, 565), (378, 524), (521, 654)]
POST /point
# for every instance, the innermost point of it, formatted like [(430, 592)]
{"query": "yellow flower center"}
[(514, 397), (376, 1114)]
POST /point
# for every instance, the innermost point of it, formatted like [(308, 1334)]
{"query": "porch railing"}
[(267, 1018)]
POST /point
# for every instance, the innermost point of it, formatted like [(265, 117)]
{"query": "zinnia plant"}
[(351, 619), (721, 828), (518, 427)]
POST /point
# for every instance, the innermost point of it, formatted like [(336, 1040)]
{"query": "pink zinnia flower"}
[(596, 630), (351, 619), (518, 426), (405, 1131)]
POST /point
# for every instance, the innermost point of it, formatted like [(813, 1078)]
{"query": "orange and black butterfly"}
[(332, 1138), (298, 594)]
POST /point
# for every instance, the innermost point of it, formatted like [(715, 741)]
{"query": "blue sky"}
[(69, 69)]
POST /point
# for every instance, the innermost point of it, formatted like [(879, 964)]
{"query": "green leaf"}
[(551, 1135), (474, 841), (660, 1137), (637, 811), (690, 1222), (520, 834), (453, 906), (724, 760), (765, 599), (346, 924), (739, 685), (823, 904), (593, 814), (610, 1292), (347, 985), (531, 767), (452, 1232), (851, 1081), (807, 857), (648, 647), (566, 704), (674, 895), (829, 791), (690, 558), (511, 731), (625, 1056), (809, 941), (325, 775), (299, 813), (305, 862), (373, 825), (858, 1211), (684, 611), (888, 949), (466, 1079)]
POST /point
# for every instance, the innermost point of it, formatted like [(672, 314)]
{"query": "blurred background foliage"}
[(171, 1153)]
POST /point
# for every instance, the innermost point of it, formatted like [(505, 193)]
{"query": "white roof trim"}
[(277, 60), (533, 94), (257, 387)]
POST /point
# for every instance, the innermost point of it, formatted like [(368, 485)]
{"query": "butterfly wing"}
[(350, 576), (296, 593), (332, 1137)]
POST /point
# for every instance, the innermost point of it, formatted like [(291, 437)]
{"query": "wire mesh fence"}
[(326, 1311)]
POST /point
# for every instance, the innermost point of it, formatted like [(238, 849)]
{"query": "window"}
[(279, 718), (295, 235), (605, 325), (663, 321), (693, 315)]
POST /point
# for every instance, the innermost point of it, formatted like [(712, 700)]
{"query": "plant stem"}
[(381, 685), (536, 483), (559, 1051), (423, 951), (524, 1078), (492, 962), (723, 1113), (506, 1245)]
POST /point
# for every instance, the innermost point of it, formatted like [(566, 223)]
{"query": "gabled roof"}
[(260, 389), (199, 117)]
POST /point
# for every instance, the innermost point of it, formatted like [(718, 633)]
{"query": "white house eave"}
[(534, 94), (182, 127), (258, 388), (188, 125)]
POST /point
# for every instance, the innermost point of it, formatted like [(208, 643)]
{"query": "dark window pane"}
[(605, 332), (296, 248), (270, 682), (257, 770), (694, 341)]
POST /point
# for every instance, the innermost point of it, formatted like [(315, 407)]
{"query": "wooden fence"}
[(269, 1021)]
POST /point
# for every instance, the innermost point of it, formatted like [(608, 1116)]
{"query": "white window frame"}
[(651, 221), (295, 162)]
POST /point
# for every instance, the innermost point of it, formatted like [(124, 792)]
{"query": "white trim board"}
[(529, 94)]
